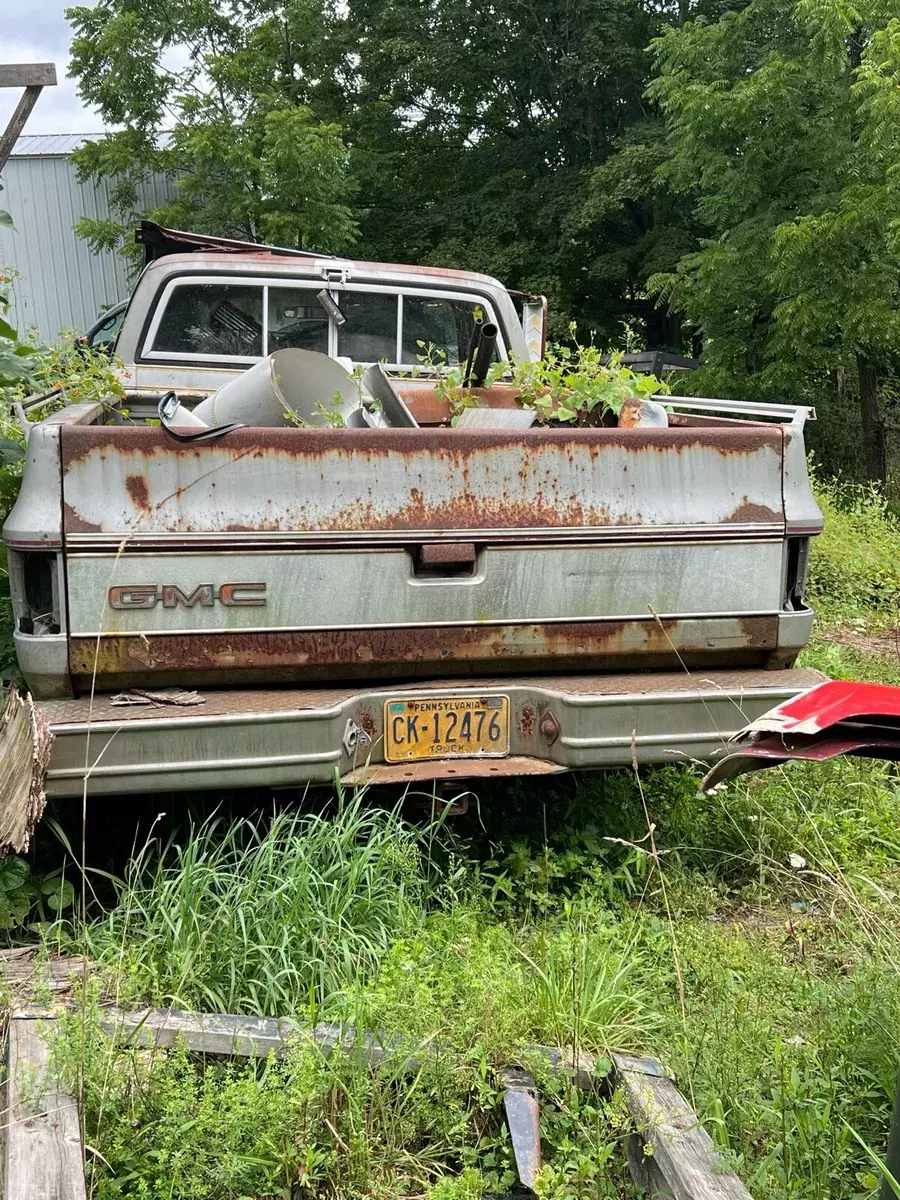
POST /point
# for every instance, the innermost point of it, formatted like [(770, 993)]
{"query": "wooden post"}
[(42, 1157), (33, 77), (671, 1155)]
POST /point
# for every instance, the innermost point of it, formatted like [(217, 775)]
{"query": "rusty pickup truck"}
[(384, 603)]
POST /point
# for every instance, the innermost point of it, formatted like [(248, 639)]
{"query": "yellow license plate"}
[(446, 727)]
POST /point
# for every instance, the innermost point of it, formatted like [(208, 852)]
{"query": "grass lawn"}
[(756, 953)]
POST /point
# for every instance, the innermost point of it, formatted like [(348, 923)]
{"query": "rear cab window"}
[(202, 317)]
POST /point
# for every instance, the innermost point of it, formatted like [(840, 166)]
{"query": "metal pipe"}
[(473, 346), (484, 354)]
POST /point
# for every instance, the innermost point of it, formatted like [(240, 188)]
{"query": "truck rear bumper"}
[(289, 736)]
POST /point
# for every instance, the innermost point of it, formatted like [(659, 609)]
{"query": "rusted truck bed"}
[(548, 591)]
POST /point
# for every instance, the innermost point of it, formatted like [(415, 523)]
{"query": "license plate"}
[(446, 727)]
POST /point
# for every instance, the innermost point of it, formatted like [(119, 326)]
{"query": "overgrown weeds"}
[(855, 562), (272, 915)]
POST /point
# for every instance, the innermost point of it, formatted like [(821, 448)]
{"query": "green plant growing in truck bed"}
[(574, 385), (570, 385)]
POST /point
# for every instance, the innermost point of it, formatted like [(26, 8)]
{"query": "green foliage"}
[(257, 917), (249, 146), (15, 353), (570, 385), (779, 120), (75, 373), (855, 562), (24, 894), (515, 141)]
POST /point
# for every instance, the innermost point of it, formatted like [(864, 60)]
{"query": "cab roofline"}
[(184, 248)]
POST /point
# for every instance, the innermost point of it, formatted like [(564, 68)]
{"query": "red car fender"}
[(837, 717)]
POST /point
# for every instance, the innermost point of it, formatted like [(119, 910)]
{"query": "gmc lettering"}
[(170, 595)]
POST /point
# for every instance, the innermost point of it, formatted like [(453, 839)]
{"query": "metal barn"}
[(62, 284)]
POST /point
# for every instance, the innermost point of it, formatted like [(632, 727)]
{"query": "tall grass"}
[(267, 915), (855, 562)]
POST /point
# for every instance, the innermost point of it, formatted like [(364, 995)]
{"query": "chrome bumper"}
[(288, 736)]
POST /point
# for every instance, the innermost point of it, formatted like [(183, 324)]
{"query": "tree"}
[(513, 139), (782, 122), (516, 139), (232, 102)]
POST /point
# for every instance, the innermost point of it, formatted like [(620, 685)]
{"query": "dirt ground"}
[(885, 643)]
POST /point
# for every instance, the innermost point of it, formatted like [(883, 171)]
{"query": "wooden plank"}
[(247, 1037), (257, 1037), (42, 1156), (25, 741), (29, 976), (28, 74), (523, 1116), (683, 1163), (17, 123)]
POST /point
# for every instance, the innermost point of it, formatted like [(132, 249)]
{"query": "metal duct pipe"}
[(484, 353)]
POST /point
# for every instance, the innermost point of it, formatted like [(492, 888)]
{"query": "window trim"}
[(264, 282)]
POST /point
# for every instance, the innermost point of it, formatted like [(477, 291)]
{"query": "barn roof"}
[(31, 145)]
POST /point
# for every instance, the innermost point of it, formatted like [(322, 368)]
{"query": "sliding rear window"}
[(240, 322)]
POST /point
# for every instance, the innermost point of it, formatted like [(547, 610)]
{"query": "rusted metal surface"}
[(450, 769), (432, 406), (524, 1120), (749, 513), (290, 736), (373, 480), (526, 722), (278, 703), (443, 554), (329, 653)]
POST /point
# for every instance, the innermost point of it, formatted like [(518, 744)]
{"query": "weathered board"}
[(671, 1155), (25, 754), (257, 1037), (41, 74), (42, 1158), (27, 974), (682, 1162), (249, 1037), (33, 77)]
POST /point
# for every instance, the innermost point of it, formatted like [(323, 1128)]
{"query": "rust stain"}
[(73, 522), (444, 554), (524, 479), (238, 255), (278, 657), (138, 489), (80, 441), (760, 514), (526, 722), (365, 719), (759, 632), (451, 768)]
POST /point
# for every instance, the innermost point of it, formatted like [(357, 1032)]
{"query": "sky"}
[(37, 31)]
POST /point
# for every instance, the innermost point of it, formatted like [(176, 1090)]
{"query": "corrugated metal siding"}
[(63, 285)]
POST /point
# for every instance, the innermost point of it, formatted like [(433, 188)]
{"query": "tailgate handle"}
[(443, 559)]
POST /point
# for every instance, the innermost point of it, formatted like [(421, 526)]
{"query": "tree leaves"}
[(785, 126), (251, 150)]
